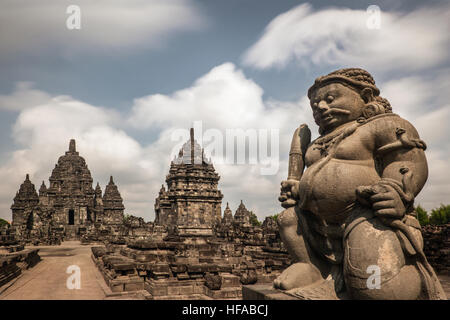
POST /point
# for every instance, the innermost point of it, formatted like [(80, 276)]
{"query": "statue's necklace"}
[(324, 143)]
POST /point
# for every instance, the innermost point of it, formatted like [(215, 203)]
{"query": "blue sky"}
[(137, 70)]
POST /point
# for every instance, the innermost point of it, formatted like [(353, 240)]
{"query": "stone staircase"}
[(71, 232)]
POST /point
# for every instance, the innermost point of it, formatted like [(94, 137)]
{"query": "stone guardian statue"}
[(349, 220)]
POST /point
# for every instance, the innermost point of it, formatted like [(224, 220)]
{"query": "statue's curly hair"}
[(354, 78)]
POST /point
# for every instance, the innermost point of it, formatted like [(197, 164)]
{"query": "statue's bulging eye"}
[(315, 104), (330, 99)]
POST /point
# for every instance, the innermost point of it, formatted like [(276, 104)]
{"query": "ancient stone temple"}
[(191, 252), (25, 201), (242, 215), (191, 205), (227, 216), (112, 205), (68, 205), (194, 266)]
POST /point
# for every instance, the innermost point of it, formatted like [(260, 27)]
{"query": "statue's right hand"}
[(289, 193)]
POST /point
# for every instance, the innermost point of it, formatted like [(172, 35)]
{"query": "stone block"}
[(116, 286), (229, 280), (197, 268), (157, 288), (159, 268), (264, 292), (178, 267), (225, 293), (134, 286), (187, 290), (173, 290)]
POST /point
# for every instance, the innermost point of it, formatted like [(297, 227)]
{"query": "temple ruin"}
[(68, 207), (191, 205), (191, 251)]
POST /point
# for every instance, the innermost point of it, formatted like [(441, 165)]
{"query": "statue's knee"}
[(371, 250), (287, 218), (405, 285)]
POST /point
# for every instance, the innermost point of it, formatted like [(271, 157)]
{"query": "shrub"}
[(254, 219), (422, 216), (3, 222), (440, 215)]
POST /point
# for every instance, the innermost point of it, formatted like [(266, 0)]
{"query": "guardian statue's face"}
[(335, 104)]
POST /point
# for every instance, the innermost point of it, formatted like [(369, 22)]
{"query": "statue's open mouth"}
[(333, 111)]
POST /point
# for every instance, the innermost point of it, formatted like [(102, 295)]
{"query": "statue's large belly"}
[(332, 188)]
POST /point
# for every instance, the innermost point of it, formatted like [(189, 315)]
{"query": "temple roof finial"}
[(43, 188), (27, 177), (192, 145), (111, 181), (72, 146)]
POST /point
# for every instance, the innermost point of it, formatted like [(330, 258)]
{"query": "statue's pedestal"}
[(264, 292), (321, 290)]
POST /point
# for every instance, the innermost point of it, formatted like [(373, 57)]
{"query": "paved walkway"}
[(47, 280)]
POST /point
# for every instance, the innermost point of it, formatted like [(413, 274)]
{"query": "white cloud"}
[(23, 97), (436, 190), (338, 36), (42, 133), (424, 101), (410, 44), (105, 25), (223, 98)]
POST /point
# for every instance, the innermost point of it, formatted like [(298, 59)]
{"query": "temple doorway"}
[(71, 217), (30, 221)]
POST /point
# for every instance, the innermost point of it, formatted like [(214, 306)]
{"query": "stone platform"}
[(13, 261), (267, 291), (264, 292)]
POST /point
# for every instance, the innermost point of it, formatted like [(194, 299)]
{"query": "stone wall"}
[(15, 259), (437, 247), (189, 268)]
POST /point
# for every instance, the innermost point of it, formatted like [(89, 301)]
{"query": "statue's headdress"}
[(356, 78)]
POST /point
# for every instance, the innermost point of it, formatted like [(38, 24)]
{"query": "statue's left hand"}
[(384, 199)]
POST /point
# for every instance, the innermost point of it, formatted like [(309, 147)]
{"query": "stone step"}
[(224, 293)]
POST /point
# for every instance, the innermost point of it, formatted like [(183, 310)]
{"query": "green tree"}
[(3, 222), (422, 216), (254, 219), (126, 217), (440, 215)]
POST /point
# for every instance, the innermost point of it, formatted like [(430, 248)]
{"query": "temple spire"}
[(98, 190), (43, 189), (192, 145), (72, 146)]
